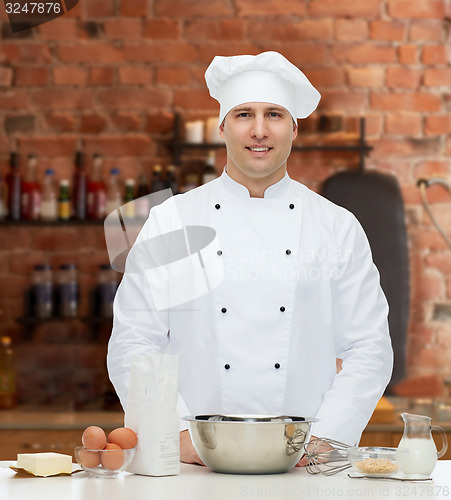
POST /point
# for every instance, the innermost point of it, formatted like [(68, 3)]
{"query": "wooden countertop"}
[(21, 419)]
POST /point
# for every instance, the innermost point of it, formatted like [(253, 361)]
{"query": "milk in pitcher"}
[(420, 456)]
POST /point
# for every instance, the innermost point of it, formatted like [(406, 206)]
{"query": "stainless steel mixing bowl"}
[(249, 444)]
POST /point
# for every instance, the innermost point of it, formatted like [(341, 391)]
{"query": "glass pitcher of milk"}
[(417, 451)]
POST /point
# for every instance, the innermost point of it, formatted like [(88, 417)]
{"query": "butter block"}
[(45, 464)]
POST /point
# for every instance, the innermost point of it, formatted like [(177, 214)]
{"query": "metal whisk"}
[(326, 456)]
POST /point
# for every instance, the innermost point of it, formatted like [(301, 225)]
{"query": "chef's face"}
[(258, 137)]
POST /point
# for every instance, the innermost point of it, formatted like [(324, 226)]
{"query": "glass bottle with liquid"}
[(114, 192), (157, 183), (80, 185), (129, 196), (171, 179), (142, 198), (31, 191), (64, 200), (8, 392), (14, 188), (96, 197), (49, 197)]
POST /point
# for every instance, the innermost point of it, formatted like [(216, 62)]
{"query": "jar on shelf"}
[(106, 290), (42, 291), (67, 291)]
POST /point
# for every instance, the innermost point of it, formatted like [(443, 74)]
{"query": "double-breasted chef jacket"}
[(299, 289)]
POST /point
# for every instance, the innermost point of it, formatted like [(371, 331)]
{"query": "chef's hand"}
[(320, 449), (188, 454)]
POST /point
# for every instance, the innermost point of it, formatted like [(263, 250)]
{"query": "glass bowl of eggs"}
[(106, 457)]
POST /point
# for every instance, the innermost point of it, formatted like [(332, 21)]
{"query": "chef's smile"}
[(259, 150)]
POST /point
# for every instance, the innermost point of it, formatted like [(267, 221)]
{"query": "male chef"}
[(298, 286)]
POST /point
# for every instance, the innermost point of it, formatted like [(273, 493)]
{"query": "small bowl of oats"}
[(374, 461)]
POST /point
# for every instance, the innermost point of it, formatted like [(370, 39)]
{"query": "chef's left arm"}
[(362, 341)]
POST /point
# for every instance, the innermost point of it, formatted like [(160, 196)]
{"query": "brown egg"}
[(112, 457), (94, 438), (90, 459), (124, 437)]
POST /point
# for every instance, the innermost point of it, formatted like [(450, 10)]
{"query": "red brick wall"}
[(112, 73)]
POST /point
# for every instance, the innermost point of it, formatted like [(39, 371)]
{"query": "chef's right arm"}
[(138, 327)]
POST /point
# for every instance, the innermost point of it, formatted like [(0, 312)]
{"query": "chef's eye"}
[(244, 114), (274, 114)]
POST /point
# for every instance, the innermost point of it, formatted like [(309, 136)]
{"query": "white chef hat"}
[(267, 77)]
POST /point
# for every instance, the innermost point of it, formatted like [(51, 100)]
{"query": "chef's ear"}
[(295, 130), (221, 130)]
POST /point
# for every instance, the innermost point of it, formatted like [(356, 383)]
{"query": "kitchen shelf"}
[(40, 223), (360, 146), (93, 320)]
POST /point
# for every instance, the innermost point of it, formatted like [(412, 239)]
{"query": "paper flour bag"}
[(151, 411)]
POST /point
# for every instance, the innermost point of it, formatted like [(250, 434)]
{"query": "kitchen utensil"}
[(249, 444), (375, 199), (417, 440), (391, 478), (104, 463), (423, 184), (326, 456), (329, 457)]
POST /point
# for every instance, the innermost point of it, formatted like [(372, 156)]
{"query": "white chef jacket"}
[(299, 290)]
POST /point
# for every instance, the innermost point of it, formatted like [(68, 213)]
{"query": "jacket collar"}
[(277, 190)]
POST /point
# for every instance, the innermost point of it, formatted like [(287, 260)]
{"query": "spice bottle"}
[(42, 291), (106, 290), (67, 292)]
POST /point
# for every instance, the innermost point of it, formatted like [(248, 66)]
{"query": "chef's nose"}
[(259, 127)]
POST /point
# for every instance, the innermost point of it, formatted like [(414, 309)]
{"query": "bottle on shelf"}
[(8, 392), (129, 196), (31, 191), (49, 197), (42, 291), (79, 187), (157, 183), (96, 196), (106, 290), (114, 192), (209, 172), (14, 188), (171, 179), (142, 199), (67, 291), (64, 200), (3, 210)]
